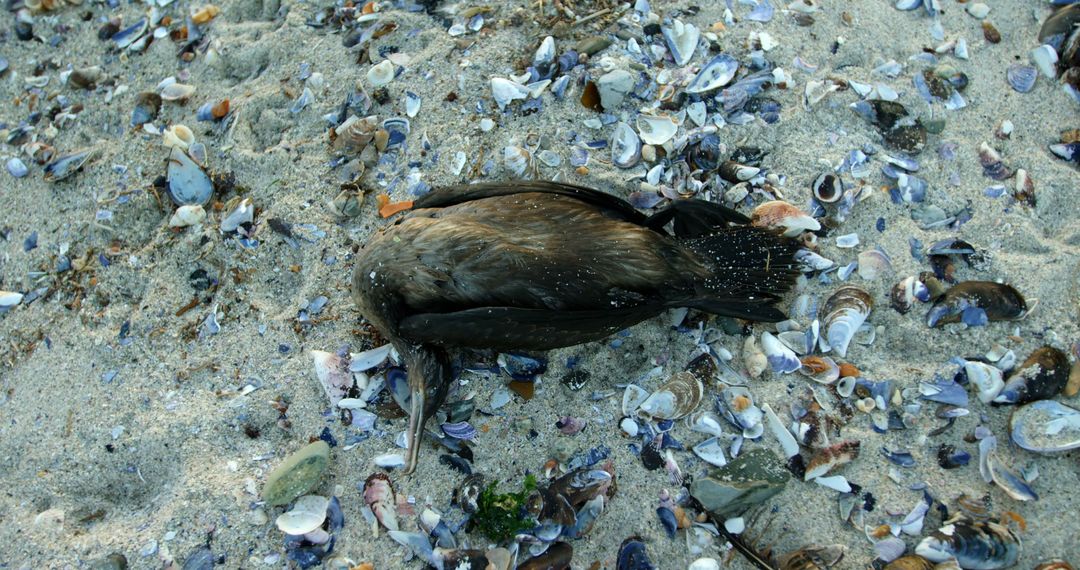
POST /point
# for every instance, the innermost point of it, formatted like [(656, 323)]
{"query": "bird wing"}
[(612, 206), (509, 328)]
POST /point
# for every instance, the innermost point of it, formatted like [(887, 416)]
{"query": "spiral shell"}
[(676, 398), (828, 188), (845, 311)]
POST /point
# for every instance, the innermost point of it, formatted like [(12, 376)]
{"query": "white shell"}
[(675, 398), (390, 460), (717, 73), (704, 564), (188, 215), (381, 74), (705, 422), (179, 136), (177, 92), (846, 386), (307, 514), (517, 159), (776, 427), (625, 146), (656, 129), (504, 91), (697, 113), (632, 398), (333, 374), (835, 482), (682, 40), (9, 299), (753, 358), (987, 380), (629, 427), (244, 213), (845, 311), (369, 358), (711, 451)]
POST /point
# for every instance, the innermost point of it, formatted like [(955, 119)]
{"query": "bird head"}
[(429, 381)]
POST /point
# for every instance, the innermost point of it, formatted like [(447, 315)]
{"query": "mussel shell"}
[(844, 312), (64, 166), (632, 555), (147, 105), (975, 545), (1060, 22), (188, 182), (467, 495), (705, 155), (1000, 301), (1043, 375), (1045, 426), (557, 555), (880, 113)]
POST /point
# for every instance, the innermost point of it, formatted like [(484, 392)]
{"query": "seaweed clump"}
[(500, 516)]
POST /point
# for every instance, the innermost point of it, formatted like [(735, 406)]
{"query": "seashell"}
[(718, 72), (543, 61), (381, 74), (1024, 189), (753, 358), (844, 312), (656, 129), (682, 40), (178, 92), (705, 422), (737, 405), (992, 163), (306, 515), (705, 564), (986, 379), (903, 294), (127, 36), (333, 374), (983, 545), (998, 300), (781, 359), (1021, 77), (397, 130), (711, 451), (801, 342), (625, 146), (632, 398), (16, 167), (64, 166), (820, 369), (827, 188), (829, 458), (188, 182), (1045, 426), (178, 136), (629, 427), (788, 443), (355, 134), (777, 214), (412, 104), (675, 398), (1066, 151), (1059, 23), (9, 299), (910, 562), (187, 215), (1056, 564), (460, 430), (147, 105), (347, 203), (504, 91), (1042, 376), (517, 159), (846, 386), (874, 262), (813, 557), (204, 14), (993, 470), (734, 172), (86, 78), (379, 497), (632, 555)]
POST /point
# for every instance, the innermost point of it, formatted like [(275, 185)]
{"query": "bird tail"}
[(750, 269)]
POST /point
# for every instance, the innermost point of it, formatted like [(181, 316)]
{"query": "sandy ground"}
[(141, 442)]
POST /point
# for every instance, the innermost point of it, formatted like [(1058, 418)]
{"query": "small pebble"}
[(16, 167), (978, 10)]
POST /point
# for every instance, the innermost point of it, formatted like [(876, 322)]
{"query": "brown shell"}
[(813, 557), (779, 214), (354, 134), (1054, 564), (910, 562)]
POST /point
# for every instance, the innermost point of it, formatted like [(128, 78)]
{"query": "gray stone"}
[(298, 474), (752, 478), (613, 87)]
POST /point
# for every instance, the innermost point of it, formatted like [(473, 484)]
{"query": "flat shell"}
[(1045, 426), (307, 514), (297, 474)]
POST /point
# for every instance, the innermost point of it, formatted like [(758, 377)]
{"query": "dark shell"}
[(468, 493), (1042, 376), (881, 113), (828, 188), (909, 138), (1059, 22), (557, 557), (632, 555), (705, 154), (982, 545), (1001, 302), (147, 105)]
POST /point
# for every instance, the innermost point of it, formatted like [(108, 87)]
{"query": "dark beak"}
[(429, 381)]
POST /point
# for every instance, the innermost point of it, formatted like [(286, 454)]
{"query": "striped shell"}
[(845, 311)]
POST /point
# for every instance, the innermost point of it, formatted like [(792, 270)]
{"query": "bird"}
[(533, 265)]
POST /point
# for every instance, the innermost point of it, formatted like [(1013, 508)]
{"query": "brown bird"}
[(541, 265)]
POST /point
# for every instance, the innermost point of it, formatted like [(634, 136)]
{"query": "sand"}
[(137, 438)]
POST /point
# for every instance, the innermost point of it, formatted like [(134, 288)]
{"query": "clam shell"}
[(306, 515), (625, 146), (776, 214), (188, 182), (1022, 77), (682, 40), (517, 160), (632, 398), (711, 451), (1042, 376), (998, 300), (381, 74), (656, 129), (9, 299), (844, 312), (1045, 426), (718, 72), (737, 405), (178, 92), (820, 369), (980, 545), (676, 398)]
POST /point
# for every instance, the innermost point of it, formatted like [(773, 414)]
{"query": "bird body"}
[(535, 266)]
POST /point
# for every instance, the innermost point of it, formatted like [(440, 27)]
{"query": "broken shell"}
[(1045, 426), (504, 91), (379, 497), (1042, 376), (625, 146), (974, 544), (705, 422), (178, 136), (306, 515), (188, 182), (9, 299), (844, 312), (177, 92), (67, 165), (632, 398), (347, 203), (903, 294), (187, 215), (147, 105), (737, 405), (813, 557), (381, 74), (674, 399), (986, 379), (241, 212), (656, 129), (717, 73), (998, 300), (820, 369), (993, 470), (355, 134), (517, 160), (711, 451), (829, 458), (682, 40), (779, 214), (781, 359), (734, 172)]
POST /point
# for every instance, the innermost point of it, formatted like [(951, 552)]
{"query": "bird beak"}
[(416, 429)]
